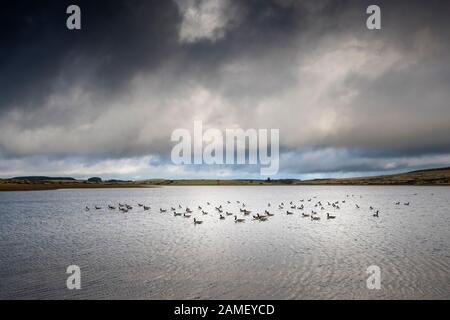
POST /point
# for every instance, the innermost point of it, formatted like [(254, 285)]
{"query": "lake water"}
[(152, 255)]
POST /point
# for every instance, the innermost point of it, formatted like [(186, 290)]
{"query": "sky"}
[(104, 100)]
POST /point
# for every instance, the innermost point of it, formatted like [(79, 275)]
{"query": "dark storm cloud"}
[(118, 38)]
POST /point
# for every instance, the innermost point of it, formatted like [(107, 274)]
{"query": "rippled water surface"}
[(153, 255)]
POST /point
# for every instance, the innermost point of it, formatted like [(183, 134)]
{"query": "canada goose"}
[(199, 208), (259, 217), (289, 212), (228, 202), (111, 207), (177, 214), (162, 210), (87, 208), (186, 215), (221, 217), (330, 216), (124, 210), (97, 207), (246, 212), (208, 203), (172, 208), (204, 212), (179, 206), (376, 214), (371, 208), (146, 208), (140, 205), (315, 218), (129, 207), (197, 221), (188, 210), (269, 214), (357, 207), (238, 220), (406, 203), (397, 203), (304, 215), (229, 213)]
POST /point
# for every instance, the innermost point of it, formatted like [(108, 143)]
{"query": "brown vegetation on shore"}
[(434, 177)]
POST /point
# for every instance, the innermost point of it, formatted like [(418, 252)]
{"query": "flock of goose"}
[(312, 213)]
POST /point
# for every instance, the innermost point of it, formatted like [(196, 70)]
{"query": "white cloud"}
[(204, 19)]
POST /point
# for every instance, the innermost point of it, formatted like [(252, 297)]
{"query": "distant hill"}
[(43, 178), (435, 177), (430, 177)]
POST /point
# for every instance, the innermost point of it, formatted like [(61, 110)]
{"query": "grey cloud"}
[(117, 89)]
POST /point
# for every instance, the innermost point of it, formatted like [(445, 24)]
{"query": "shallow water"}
[(153, 255)]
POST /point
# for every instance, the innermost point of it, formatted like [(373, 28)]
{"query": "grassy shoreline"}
[(431, 177)]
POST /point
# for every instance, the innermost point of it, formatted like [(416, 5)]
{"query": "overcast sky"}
[(104, 100)]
